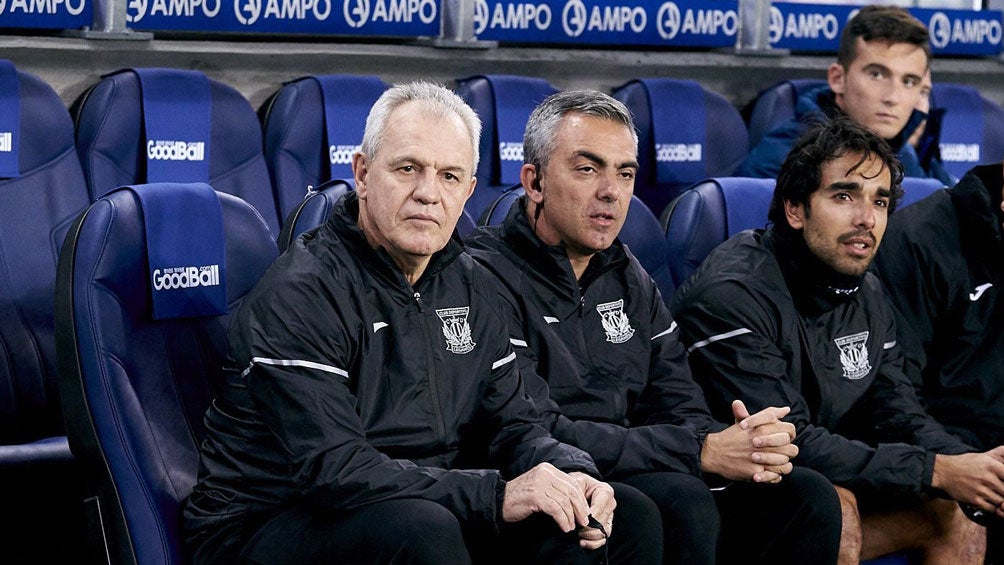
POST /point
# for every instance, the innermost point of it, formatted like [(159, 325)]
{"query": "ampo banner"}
[(45, 14)]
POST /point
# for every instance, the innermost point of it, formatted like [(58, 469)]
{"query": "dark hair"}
[(882, 23), (826, 140)]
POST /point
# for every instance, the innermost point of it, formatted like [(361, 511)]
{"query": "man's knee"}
[(425, 532), (850, 528)]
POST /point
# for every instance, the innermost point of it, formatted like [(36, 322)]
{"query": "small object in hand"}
[(594, 523)]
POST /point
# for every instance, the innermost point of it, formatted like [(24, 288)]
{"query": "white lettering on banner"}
[(175, 150), (811, 26), (511, 151), (3, 4), (44, 6), (342, 154), (776, 24), (247, 11), (6, 141), (676, 152), (573, 18), (616, 18), (520, 16), (138, 9), (403, 11), (356, 12), (186, 277), (480, 16), (185, 7), (960, 152), (977, 31), (710, 22), (297, 9), (667, 21)]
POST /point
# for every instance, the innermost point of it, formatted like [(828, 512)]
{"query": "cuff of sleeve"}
[(928, 477), (499, 501)]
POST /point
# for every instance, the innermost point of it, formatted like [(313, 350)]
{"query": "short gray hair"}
[(436, 101), (542, 127)]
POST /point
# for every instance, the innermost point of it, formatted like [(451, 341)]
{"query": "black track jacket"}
[(765, 333), (348, 386), (601, 357), (942, 261)]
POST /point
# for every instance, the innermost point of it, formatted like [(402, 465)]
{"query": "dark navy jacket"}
[(942, 260), (348, 386), (761, 324), (601, 356), (764, 160)]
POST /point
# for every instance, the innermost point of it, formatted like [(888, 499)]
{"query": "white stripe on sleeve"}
[(507, 359), (295, 363), (719, 337), (672, 328)]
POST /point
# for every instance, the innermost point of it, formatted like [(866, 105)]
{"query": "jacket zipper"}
[(433, 381)]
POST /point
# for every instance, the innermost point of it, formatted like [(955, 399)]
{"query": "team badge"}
[(615, 322), (854, 355), (456, 330)]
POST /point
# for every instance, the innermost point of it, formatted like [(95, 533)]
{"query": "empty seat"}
[(41, 191), (145, 287), (686, 133), (972, 129), (504, 104), (915, 189), (641, 233), (312, 126), (168, 125), (775, 105), (709, 213)]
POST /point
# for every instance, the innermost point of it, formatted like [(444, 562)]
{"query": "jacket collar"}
[(551, 261), (344, 223), (814, 286)]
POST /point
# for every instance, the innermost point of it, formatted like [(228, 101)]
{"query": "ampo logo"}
[(480, 16), (3, 4), (72, 10), (342, 154), (667, 21), (357, 12), (186, 277), (247, 11), (941, 30), (510, 151), (573, 18), (776, 24), (138, 8)]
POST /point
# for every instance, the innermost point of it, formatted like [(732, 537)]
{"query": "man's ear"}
[(836, 75), (795, 214), (529, 177), (360, 168)]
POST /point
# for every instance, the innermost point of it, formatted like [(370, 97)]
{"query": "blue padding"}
[(962, 128), (10, 120), (916, 189), (515, 99), (347, 102), (679, 136), (746, 203), (186, 259), (176, 117)]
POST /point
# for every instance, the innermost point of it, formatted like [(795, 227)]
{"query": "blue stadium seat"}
[(641, 233), (915, 189), (972, 130), (315, 208), (41, 191), (141, 348), (709, 213), (685, 133), (504, 104), (119, 124), (312, 126), (775, 105)]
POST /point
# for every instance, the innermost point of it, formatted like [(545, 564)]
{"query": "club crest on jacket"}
[(854, 355), (456, 330), (615, 322)]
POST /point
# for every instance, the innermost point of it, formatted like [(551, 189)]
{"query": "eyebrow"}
[(856, 187), (887, 70), (412, 160), (603, 162)]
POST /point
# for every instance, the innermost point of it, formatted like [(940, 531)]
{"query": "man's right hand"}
[(546, 489), (973, 478), (756, 447)]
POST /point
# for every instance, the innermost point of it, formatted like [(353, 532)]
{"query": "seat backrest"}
[(641, 233), (144, 294), (212, 135), (686, 133), (972, 129), (711, 212), (915, 188), (504, 104), (41, 191), (775, 105), (312, 126)]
